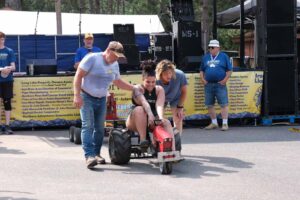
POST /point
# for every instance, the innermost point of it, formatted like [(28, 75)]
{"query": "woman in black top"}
[(148, 105)]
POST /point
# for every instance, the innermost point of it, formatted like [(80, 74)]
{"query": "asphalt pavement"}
[(244, 163)]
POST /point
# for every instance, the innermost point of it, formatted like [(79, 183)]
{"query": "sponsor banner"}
[(48, 101)]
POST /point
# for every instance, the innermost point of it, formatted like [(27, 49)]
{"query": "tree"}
[(13, 4)]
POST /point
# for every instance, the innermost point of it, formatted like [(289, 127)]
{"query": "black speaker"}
[(281, 40), (163, 47), (280, 11), (147, 55), (187, 41), (280, 95), (191, 64), (277, 56), (41, 66), (182, 10), (132, 61), (124, 33)]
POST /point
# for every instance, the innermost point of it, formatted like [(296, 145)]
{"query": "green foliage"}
[(225, 37)]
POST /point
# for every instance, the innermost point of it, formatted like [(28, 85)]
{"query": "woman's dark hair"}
[(148, 67)]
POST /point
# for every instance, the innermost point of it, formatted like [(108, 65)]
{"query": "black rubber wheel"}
[(165, 167), (119, 146), (71, 133), (177, 142), (77, 135)]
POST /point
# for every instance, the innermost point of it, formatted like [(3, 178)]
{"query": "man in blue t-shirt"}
[(175, 85), (87, 48), (215, 71), (7, 66)]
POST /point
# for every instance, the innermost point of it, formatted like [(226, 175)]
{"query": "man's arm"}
[(202, 77), (160, 102), (77, 101), (76, 65), (224, 81), (182, 96), (123, 84)]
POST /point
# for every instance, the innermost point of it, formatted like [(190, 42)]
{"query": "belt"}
[(89, 94)]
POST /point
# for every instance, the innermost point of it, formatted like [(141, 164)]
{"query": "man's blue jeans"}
[(92, 114)]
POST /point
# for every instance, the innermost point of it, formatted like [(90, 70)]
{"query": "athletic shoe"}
[(211, 126), (91, 162), (100, 160)]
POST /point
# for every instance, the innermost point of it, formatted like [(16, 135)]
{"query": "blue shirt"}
[(215, 68), (7, 56), (99, 74), (82, 51), (173, 89)]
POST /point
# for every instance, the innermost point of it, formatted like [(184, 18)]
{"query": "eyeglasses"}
[(211, 47)]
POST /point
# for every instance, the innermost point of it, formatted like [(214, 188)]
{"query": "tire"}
[(77, 135), (119, 146), (177, 142), (71, 133), (165, 167)]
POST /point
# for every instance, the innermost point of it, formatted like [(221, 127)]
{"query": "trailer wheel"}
[(77, 135), (71, 133)]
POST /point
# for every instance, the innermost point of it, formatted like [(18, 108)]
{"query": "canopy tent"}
[(230, 18), (24, 22)]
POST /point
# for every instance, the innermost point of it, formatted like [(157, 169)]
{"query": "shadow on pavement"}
[(240, 135), (4, 150), (199, 166), (15, 198)]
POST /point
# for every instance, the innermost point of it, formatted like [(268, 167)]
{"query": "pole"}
[(215, 33), (242, 35), (58, 17)]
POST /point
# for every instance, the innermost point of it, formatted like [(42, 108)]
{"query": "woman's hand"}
[(151, 119)]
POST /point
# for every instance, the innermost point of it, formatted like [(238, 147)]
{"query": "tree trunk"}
[(97, 7), (13, 4), (110, 6), (91, 7), (58, 17), (205, 24)]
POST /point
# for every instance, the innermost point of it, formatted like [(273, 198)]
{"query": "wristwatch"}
[(178, 106)]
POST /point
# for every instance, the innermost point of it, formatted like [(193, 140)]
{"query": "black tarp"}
[(230, 18)]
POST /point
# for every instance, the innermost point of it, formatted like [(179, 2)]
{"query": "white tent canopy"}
[(23, 23)]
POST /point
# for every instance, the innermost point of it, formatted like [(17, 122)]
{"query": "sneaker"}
[(224, 127), (91, 162), (211, 126), (7, 130), (100, 160)]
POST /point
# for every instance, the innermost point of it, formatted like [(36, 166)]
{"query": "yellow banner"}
[(43, 99), (51, 98)]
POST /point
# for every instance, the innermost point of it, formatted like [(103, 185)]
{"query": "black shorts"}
[(6, 90)]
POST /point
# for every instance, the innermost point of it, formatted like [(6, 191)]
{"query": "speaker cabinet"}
[(162, 46), (187, 41), (132, 61), (281, 86), (124, 33), (277, 56)]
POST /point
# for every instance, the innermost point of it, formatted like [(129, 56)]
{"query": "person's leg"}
[(137, 121), (99, 119), (7, 96), (222, 97), (209, 102), (87, 125)]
